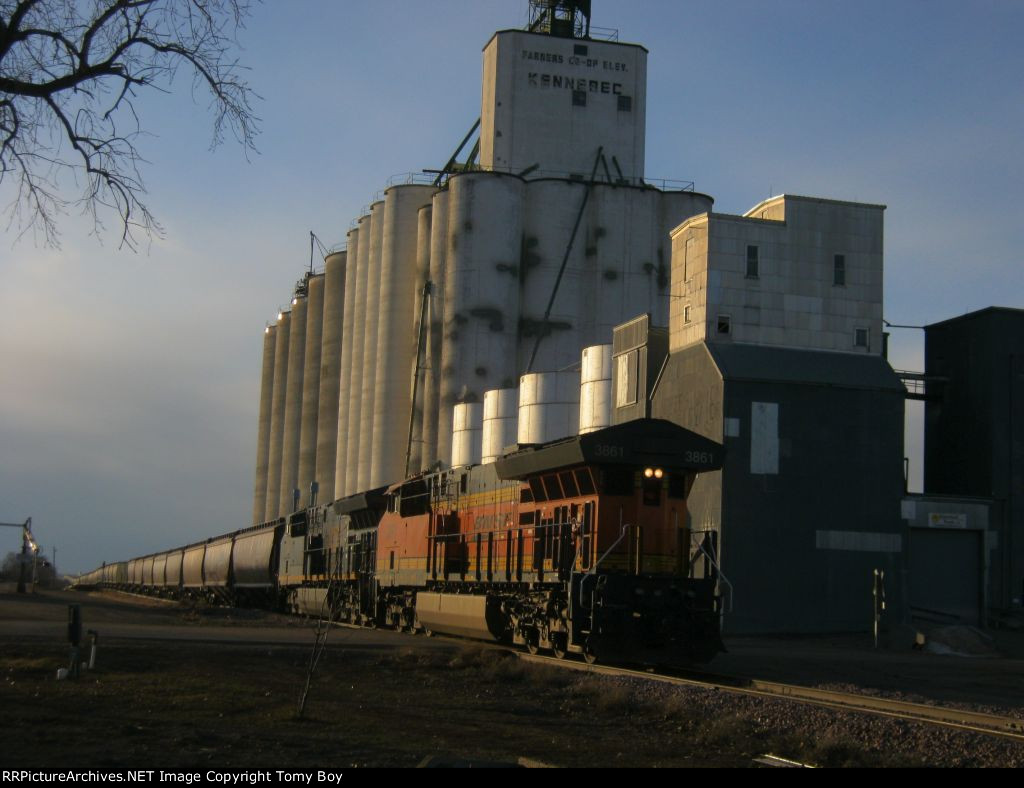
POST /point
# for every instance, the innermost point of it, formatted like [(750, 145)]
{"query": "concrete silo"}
[(259, 496), (420, 317), (311, 386), (395, 332), (435, 326), (293, 405), (350, 400), (557, 334), (281, 344), (368, 382), (335, 274), (481, 309)]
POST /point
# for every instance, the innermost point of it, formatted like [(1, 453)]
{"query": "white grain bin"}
[(501, 414), (595, 388), (549, 406), (467, 425)]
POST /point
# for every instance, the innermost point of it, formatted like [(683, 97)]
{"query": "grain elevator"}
[(544, 286)]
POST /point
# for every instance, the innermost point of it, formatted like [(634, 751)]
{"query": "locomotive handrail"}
[(721, 576), (625, 528)]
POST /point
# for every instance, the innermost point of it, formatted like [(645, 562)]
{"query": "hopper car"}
[(581, 545)]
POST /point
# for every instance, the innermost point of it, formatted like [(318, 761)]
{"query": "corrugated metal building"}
[(974, 437)]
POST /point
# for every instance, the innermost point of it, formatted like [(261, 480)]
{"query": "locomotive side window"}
[(586, 534), (552, 488), (537, 489), (415, 499), (569, 484), (541, 535), (585, 481), (525, 495)]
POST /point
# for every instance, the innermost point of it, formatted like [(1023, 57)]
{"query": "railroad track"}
[(988, 724), (1010, 728)]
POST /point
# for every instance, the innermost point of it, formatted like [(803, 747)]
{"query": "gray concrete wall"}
[(528, 115), (794, 299)]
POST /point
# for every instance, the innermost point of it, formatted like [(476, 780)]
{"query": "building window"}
[(839, 270), (861, 338), (725, 323), (686, 313), (626, 379), (625, 103), (579, 98), (580, 49), (752, 263)]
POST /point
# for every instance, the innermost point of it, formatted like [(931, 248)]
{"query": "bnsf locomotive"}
[(581, 545)]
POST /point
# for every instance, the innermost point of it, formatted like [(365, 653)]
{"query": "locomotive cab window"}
[(652, 492), (617, 481), (677, 485)]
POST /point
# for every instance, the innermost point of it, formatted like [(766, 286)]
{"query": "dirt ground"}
[(186, 687)]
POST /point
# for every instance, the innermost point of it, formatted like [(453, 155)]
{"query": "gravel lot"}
[(182, 686)]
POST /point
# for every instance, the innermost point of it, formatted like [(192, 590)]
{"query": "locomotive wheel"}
[(589, 655), (533, 642), (559, 645)]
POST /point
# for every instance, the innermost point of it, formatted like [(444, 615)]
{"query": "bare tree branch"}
[(69, 73)]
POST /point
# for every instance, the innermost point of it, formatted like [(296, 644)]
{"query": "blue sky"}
[(129, 382)]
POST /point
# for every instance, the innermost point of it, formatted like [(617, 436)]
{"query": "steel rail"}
[(977, 722)]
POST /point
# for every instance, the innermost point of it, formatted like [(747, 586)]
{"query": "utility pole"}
[(28, 543)]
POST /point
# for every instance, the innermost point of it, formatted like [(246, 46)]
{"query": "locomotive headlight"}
[(648, 473), (658, 473)]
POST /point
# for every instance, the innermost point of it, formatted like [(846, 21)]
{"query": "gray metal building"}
[(974, 435)]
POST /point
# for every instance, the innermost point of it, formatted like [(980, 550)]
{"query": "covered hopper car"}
[(581, 545)]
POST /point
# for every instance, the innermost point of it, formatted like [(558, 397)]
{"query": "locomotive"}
[(578, 546)]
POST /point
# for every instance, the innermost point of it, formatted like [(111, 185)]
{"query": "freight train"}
[(581, 545)]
